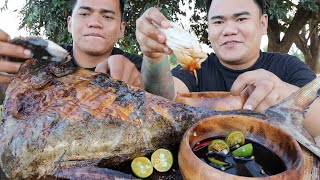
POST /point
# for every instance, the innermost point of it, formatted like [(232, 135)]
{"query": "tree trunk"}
[(314, 43), (300, 19), (311, 52), (273, 35)]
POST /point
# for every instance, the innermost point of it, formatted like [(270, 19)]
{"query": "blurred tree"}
[(291, 21), (298, 23), (49, 17)]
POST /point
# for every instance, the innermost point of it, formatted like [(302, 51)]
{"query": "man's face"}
[(96, 25), (235, 31)]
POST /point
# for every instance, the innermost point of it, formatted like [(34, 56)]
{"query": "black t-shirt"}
[(213, 76), (135, 59)]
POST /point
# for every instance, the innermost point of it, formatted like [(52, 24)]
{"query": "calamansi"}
[(217, 162), (162, 160), (142, 167), (243, 151), (235, 138), (218, 145)]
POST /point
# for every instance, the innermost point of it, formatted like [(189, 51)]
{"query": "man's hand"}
[(151, 39), (120, 68), (7, 49), (263, 88)]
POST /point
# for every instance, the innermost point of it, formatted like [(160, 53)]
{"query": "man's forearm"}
[(157, 78)]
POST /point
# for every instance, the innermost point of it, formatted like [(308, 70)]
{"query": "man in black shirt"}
[(95, 25), (238, 65)]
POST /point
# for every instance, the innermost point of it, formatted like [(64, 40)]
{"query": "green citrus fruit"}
[(243, 151), (217, 162), (162, 160), (219, 145), (234, 138), (142, 167)]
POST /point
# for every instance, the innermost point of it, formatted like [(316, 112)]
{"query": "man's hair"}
[(260, 3), (122, 2)]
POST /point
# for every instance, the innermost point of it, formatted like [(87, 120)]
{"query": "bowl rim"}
[(298, 163)]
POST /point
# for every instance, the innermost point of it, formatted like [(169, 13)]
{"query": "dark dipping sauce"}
[(265, 162)]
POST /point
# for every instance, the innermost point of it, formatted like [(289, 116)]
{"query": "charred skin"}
[(84, 117)]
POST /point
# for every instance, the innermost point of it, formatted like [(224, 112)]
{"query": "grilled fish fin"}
[(300, 100), (292, 110)]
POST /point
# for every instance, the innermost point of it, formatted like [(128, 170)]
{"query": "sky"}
[(9, 22)]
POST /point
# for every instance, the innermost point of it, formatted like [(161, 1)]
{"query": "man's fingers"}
[(150, 44), (11, 50), (4, 36), (5, 79), (135, 76), (116, 66), (102, 67), (9, 67), (150, 38), (154, 15), (155, 52), (262, 89), (271, 99), (145, 28), (243, 80), (137, 82), (128, 71)]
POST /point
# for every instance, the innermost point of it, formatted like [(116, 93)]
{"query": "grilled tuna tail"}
[(292, 109)]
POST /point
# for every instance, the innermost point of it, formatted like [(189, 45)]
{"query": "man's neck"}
[(86, 60), (242, 65)]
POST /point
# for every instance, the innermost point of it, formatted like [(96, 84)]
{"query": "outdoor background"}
[(293, 25)]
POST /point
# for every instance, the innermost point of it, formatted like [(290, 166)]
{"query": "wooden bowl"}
[(219, 101), (254, 129)]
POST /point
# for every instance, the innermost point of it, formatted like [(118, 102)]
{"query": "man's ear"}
[(69, 23), (264, 24), (122, 29)]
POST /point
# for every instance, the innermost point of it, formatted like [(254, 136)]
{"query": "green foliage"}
[(47, 17), (50, 17), (135, 8)]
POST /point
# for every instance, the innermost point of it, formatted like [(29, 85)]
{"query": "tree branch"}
[(273, 35), (300, 19)]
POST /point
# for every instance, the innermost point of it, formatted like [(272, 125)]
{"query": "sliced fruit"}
[(218, 145), (162, 160), (235, 138), (243, 151), (217, 162), (142, 167)]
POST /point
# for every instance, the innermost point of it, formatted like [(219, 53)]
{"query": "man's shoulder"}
[(212, 60), (278, 56), (289, 68), (132, 57), (276, 59), (119, 51)]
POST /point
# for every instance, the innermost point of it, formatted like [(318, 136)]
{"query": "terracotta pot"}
[(219, 101), (254, 129)]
